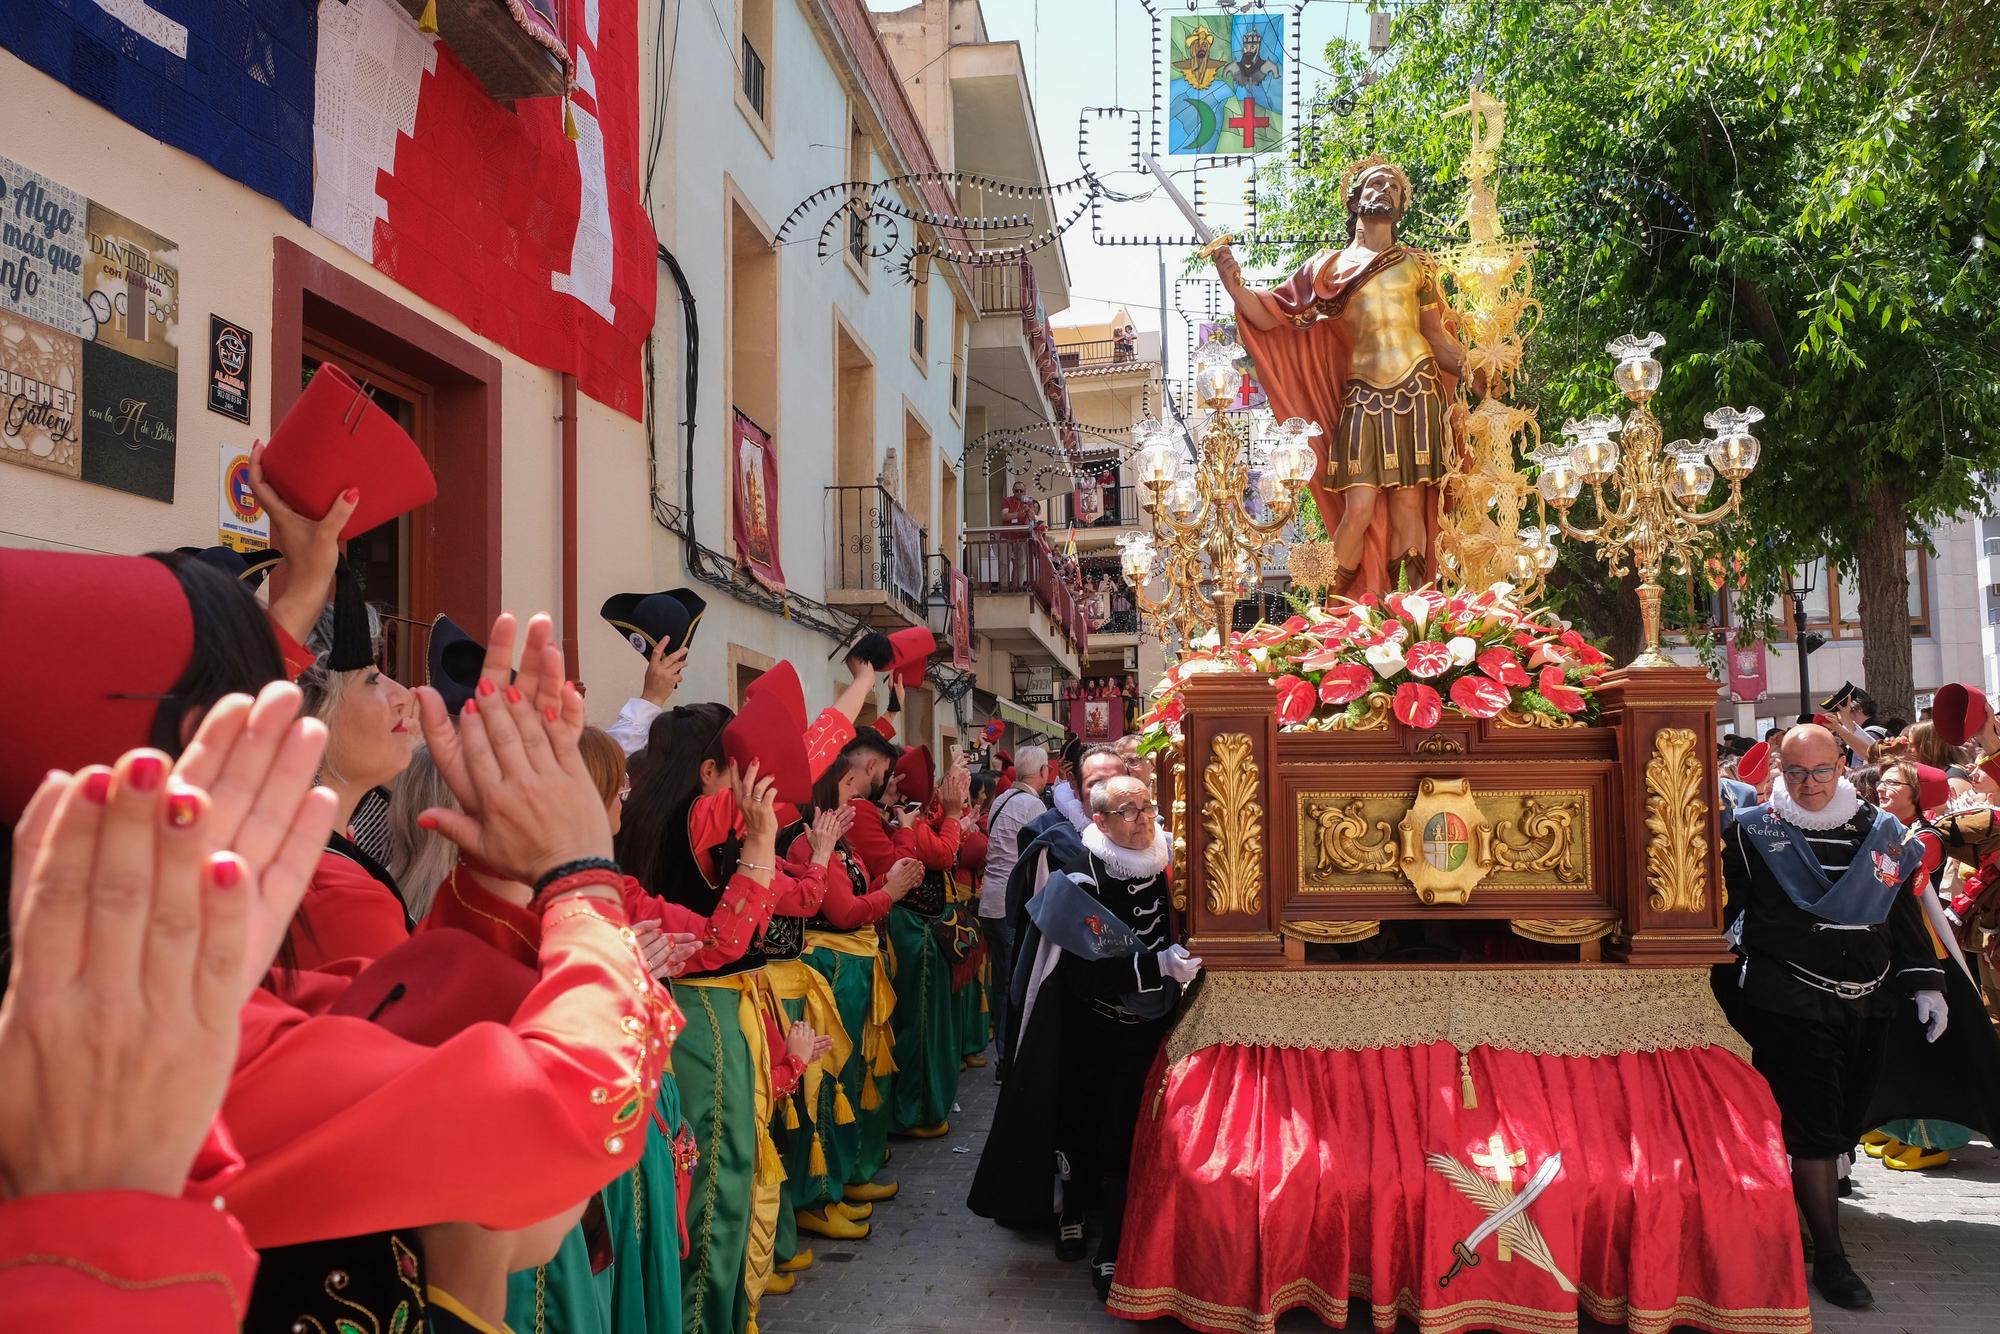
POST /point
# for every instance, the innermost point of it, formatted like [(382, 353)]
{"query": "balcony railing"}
[(1003, 290), (878, 547), (1097, 507), (1010, 560), (1099, 352)]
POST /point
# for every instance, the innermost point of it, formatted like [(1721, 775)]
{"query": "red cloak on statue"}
[(1303, 369)]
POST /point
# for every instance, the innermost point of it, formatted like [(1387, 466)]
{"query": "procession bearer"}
[(1828, 945)]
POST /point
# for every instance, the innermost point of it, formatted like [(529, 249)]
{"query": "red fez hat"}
[(1958, 712), (99, 642), (1933, 788), (916, 774), (1756, 763), (436, 984), (912, 648), (771, 730), (335, 437)]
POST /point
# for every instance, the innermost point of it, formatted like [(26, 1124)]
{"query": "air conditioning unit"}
[(1131, 659)]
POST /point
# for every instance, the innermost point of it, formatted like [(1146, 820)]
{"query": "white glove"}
[(1182, 967), (1933, 1014)]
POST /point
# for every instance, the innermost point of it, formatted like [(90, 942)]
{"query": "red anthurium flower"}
[(1293, 624), (1572, 640), (1321, 659), (1417, 705), (1501, 665), (1368, 599), (1590, 656), (1558, 691), (1479, 696), (1296, 699), (1346, 683), (1427, 659), (1269, 636), (1523, 640)]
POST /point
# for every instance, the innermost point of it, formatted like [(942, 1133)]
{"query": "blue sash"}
[(1737, 797), (1861, 897), (1071, 918)]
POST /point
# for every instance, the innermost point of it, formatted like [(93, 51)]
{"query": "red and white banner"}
[(1749, 670), (536, 241), (753, 492), (961, 620)]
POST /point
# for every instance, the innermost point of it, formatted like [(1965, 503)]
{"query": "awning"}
[(1008, 710)]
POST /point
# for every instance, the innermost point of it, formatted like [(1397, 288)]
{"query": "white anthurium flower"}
[(1415, 606), (1463, 649), (1260, 656), (1386, 658), (1207, 639)]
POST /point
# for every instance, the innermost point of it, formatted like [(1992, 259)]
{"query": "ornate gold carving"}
[(1560, 1010), (1376, 715), (1177, 823), (1539, 841), (1342, 832), (1563, 930), (1233, 815), (1446, 841), (1440, 743), (1677, 819), (1330, 933), (1530, 718)]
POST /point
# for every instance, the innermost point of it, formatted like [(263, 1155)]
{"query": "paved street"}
[(1928, 1242)]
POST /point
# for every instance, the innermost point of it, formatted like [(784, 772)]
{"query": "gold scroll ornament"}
[(1677, 820), (1233, 815), (1177, 828), (1344, 843), (1381, 840), (1538, 841)]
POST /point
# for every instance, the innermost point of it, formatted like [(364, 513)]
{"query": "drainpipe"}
[(569, 616)]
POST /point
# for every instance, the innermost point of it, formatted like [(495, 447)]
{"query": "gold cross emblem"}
[(1501, 1163)]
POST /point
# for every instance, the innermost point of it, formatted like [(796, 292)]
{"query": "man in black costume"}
[(1830, 943), (1104, 980)]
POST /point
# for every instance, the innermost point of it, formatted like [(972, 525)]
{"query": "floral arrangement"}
[(1414, 655)]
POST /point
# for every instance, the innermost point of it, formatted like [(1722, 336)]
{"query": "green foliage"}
[(1842, 162)]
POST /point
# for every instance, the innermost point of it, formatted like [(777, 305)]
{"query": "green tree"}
[(1838, 158)]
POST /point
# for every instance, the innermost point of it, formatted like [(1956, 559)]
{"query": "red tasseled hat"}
[(1959, 712), (335, 437), (437, 984), (771, 729), (913, 648), (1933, 788), (1756, 762), (97, 642), (916, 774)]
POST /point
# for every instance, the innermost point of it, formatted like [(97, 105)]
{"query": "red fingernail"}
[(427, 822), (97, 788), (551, 714), (353, 494), (145, 773), (513, 695), (224, 871), (485, 686), (471, 707), (183, 809)]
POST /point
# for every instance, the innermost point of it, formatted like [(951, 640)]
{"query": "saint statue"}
[(1355, 340)]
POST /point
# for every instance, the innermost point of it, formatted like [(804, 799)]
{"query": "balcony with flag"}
[(877, 558)]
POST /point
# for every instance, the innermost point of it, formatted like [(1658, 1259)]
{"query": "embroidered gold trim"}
[(1233, 815), (1330, 933), (1542, 1011), (1562, 930), (1677, 819), (109, 1280)]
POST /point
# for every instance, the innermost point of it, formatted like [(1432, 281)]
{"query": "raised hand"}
[(527, 802), (827, 827), (663, 674), (903, 877), (132, 943), (805, 1046), (666, 952), (311, 547), (756, 798)]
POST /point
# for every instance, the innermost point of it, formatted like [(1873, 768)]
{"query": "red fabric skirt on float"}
[(1341, 1179)]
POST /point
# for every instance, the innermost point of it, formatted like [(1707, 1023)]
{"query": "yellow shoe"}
[(1915, 1158), (853, 1213), (975, 1062), (872, 1192), (1890, 1144), (1874, 1142), (798, 1264), (938, 1131), (780, 1284), (830, 1225)]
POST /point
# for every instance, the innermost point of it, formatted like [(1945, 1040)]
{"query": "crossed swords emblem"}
[(1505, 1216)]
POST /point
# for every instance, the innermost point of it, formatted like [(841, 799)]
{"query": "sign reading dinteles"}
[(228, 368)]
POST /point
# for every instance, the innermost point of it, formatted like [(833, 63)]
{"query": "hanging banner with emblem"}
[(1225, 84)]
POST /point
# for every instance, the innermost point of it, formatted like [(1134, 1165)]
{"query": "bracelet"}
[(753, 866), (577, 867)]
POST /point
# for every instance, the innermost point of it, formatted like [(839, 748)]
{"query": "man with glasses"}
[(1829, 947), (1104, 982)]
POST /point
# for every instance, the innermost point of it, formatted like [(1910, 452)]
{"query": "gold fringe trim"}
[(1542, 1011)]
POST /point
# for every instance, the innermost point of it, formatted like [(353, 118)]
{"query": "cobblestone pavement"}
[(1928, 1243)]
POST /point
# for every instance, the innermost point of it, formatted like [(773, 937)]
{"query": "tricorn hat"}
[(453, 664), (649, 619), (249, 567), (1838, 699)]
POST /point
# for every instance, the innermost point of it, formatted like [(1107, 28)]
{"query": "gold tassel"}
[(1468, 1097), (770, 1167), (870, 1099), (816, 1163), (843, 1110), (428, 21), (791, 1114), (569, 116)]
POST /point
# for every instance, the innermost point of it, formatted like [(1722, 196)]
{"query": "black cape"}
[(1956, 1078)]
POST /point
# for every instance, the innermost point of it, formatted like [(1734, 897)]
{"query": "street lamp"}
[(1808, 641)]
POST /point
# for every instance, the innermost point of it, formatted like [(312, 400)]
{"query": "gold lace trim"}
[(1541, 1011)]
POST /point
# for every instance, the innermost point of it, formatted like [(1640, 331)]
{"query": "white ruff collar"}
[(1837, 812), (1072, 808), (1128, 863)]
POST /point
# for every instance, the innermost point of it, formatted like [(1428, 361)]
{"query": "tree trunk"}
[(1885, 600)]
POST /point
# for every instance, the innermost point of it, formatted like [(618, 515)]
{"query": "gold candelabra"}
[(1213, 543), (1656, 513)]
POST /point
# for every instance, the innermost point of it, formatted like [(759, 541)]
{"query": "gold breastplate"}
[(1381, 320)]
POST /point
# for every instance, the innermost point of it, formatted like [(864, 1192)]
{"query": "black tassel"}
[(353, 646)]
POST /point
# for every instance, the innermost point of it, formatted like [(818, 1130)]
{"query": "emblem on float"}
[(1445, 841)]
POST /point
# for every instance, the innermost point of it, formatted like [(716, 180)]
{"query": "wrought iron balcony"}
[(877, 552)]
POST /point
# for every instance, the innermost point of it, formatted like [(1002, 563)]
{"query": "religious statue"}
[(1355, 339)]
